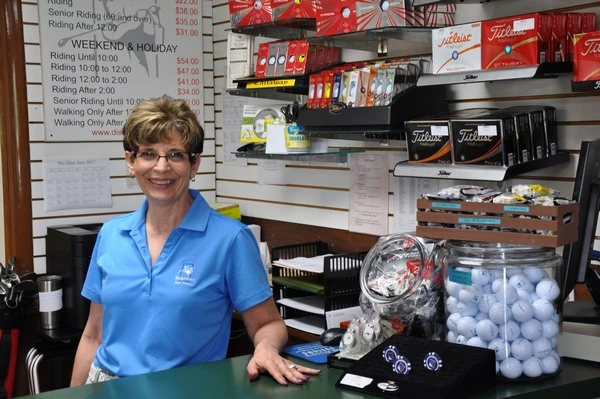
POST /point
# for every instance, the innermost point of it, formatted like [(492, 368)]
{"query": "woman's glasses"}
[(151, 157)]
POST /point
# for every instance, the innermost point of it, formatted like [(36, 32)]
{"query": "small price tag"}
[(524, 24), (439, 130), (487, 130)]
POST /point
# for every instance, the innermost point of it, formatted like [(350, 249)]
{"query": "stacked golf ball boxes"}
[(505, 297)]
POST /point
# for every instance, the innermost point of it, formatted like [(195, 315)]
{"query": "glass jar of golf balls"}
[(505, 297)]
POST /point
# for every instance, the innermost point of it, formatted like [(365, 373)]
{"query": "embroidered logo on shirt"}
[(184, 276)]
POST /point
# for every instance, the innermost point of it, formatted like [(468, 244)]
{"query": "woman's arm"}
[(268, 332), (90, 340)]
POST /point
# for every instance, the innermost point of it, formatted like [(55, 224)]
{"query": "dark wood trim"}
[(14, 138)]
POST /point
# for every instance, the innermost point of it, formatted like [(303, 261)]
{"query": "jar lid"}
[(393, 268), (500, 253)]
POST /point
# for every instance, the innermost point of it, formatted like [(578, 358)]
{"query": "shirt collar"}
[(196, 217)]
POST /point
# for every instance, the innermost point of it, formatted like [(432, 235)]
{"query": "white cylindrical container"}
[(505, 297), (51, 300)]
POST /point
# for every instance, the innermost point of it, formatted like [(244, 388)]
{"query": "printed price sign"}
[(101, 58)]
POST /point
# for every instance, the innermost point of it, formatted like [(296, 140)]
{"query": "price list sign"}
[(102, 57)]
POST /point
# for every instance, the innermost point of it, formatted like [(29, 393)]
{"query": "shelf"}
[(545, 70), (581, 87), (373, 122), (297, 28), (332, 157), (476, 172), (418, 3), (371, 40), (284, 88)]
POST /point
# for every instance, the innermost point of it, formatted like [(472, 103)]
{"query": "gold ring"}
[(292, 366)]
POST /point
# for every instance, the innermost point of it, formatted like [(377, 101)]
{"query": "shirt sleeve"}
[(93, 280), (247, 281)]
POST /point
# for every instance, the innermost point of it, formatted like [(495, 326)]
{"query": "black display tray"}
[(466, 370), (415, 102)]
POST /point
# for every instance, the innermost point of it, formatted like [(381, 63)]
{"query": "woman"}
[(164, 280)]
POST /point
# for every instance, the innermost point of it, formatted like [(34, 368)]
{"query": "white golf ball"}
[(477, 342), (524, 295), (486, 301), (480, 276), (481, 316), (547, 289), (550, 327), (499, 313), (501, 348), (451, 303), (541, 347), (521, 311), (487, 289), (498, 283), (551, 363), (534, 274), (497, 367), (486, 329), (520, 281), (532, 367), (469, 295), (542, 309), (532, 329), (467, 309), (511, 271), (511, 368), (507, 294), (452, 322), (509, 331), (521, 349), (452, 288), (451, 337), (461, 339), (466, 326), (554, 341)]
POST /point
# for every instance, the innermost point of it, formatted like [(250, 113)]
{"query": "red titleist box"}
[(289, 9), (588, 22), (573, 28), (335, 17), (249, 12), (515, 41), (558, 39), (586, 56)]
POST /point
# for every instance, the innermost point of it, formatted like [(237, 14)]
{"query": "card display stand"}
[(465, 370), (504, 223)]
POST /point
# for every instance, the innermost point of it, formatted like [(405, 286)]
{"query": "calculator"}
[(311, 351)]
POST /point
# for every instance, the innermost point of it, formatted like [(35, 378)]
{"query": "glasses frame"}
[(190, 155)]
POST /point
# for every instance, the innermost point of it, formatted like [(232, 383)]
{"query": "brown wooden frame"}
[(14, 138)]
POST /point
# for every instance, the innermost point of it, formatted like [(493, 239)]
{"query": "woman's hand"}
[(267, 359)]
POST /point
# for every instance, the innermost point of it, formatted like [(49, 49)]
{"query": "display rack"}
[(296, 28), (331, 157), (544, 70), (588, 86), (476, 172), (284, 88)]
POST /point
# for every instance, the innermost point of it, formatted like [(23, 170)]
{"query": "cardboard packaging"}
[(255, 121), (246, 13), (428, 140), (558, 38), (261, 60), (586, 56), (537, 125), (290, 9), (485, 140), (573, 28), (457, 48), (515, 41), (335, 17), (372, 14)]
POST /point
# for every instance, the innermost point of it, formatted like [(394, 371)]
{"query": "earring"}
[(193, 178)]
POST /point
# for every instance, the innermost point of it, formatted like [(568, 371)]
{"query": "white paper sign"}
[(369, 194), (76, 183), (102, 57)]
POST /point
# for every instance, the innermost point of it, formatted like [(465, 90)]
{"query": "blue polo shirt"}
[(179, 311)]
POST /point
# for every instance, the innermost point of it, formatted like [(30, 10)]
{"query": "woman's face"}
[(165, 180)]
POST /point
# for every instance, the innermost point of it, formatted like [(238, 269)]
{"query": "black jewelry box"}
[(465, 370)]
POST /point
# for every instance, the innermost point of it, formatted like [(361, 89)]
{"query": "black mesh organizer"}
[(465, 370), (338, 284)]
